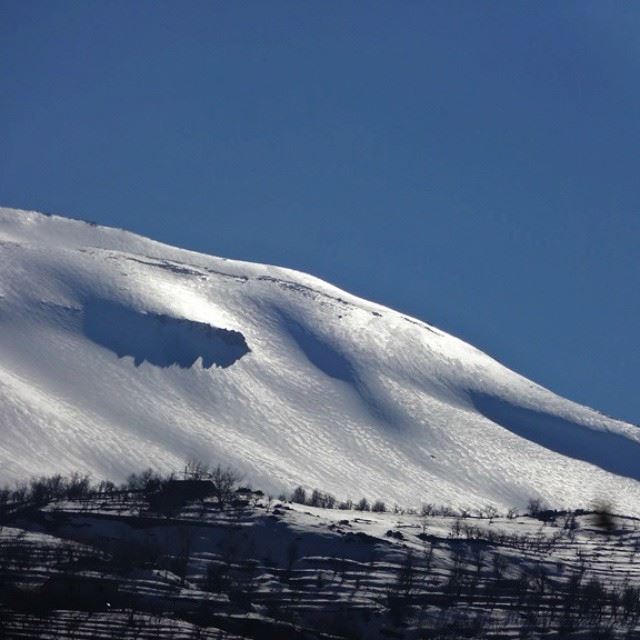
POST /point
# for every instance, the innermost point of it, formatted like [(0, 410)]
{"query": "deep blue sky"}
[(475, 164)]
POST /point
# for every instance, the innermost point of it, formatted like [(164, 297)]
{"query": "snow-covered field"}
[(118, 352)]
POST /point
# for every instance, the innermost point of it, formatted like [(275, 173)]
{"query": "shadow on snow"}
[(609, 451), (159, 339)]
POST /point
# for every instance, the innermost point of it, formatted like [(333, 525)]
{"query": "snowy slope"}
[(118, 352)]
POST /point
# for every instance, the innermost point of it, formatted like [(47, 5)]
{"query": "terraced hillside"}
[(179, 559)]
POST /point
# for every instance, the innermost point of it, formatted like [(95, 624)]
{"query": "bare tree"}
[(224, 481), (299, 495), (196, 469)]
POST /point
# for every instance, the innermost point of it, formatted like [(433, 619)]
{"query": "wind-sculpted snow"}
[(609, 451), (160, 339), (118, 352), (321, 354)]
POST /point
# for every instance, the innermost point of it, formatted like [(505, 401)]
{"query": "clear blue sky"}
[(475, 164)]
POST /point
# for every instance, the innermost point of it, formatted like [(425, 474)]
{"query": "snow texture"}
[(118, 352)]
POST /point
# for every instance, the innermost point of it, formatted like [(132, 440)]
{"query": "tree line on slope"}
[(221, 482)]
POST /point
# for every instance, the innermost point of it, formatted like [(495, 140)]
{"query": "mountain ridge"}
[(332, 390)]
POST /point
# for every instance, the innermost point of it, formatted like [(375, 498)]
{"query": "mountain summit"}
[(118, 352)]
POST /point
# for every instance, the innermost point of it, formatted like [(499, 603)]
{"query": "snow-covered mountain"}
[(118, 353)]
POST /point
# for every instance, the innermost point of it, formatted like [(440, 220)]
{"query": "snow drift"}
[(118, 352)]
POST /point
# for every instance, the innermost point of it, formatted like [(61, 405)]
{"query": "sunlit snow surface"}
[(118, 352)]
